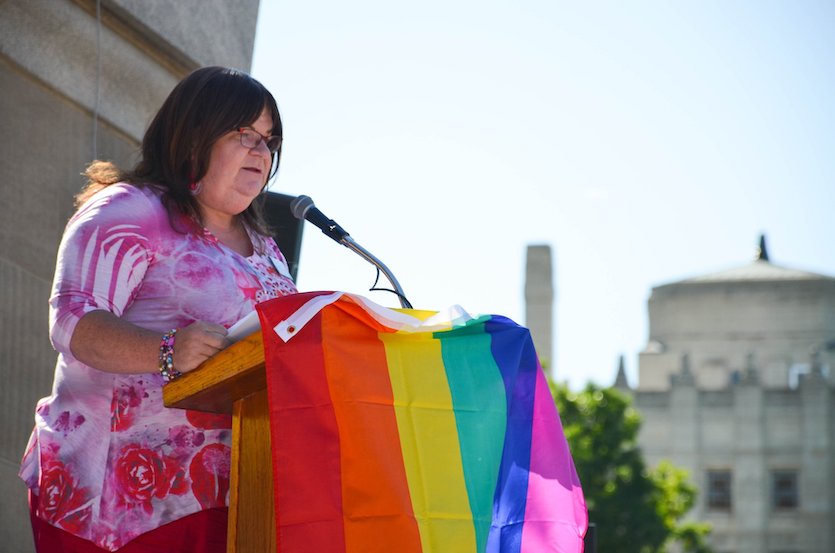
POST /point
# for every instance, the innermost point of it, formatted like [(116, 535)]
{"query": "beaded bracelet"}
[(166, 357)]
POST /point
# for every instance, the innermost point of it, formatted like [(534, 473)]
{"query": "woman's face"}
[(236, 174)]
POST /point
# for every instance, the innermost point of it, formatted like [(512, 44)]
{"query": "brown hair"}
[(176, 148)]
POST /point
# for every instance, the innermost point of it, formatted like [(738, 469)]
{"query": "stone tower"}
[(539, 302)]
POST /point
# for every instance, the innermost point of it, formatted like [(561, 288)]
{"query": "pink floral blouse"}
[(106, 459)]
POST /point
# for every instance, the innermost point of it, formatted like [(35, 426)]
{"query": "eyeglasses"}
[(253, 139)]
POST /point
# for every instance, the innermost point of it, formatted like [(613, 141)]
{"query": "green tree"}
[(634, 508)]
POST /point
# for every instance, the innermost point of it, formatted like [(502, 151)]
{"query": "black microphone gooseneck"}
[(302, 207)]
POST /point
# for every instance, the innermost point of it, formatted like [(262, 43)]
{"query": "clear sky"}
[(645, 142)]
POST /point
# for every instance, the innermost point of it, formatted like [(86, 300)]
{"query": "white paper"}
[(244, 327)]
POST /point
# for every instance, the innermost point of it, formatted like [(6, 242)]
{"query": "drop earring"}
[(194, 186)]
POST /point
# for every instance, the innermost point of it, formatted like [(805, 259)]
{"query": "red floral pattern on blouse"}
[(209, 472), (142, 474), (107, 459), (62, 502), (208, 421)]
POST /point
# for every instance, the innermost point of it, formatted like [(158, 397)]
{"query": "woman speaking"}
[(154, 266)]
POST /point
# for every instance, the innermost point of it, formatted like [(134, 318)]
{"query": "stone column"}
[(815, 471), (685, 438), (539, 302), (750, 487)]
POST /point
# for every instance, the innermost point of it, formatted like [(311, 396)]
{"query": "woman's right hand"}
[(196, 343)]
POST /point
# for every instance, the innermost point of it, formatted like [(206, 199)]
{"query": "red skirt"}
[(203, 532)]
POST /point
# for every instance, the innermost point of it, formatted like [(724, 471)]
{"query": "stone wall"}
[(751, 431), (49, 59), (719, 325)]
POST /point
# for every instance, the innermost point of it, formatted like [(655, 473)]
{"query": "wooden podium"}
[(234, 382)]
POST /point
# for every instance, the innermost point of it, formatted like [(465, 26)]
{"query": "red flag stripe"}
[(306, 465)]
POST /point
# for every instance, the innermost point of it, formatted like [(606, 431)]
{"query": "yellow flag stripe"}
[(429, 442)]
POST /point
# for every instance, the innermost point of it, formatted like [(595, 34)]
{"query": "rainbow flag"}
[(399, 430)]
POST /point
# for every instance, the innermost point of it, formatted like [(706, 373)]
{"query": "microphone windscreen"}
[(300, 205)]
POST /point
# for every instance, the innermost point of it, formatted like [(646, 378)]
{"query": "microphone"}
[(302, 207)]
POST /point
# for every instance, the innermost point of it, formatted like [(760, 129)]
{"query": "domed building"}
[(735, 385)]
